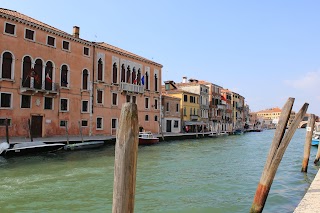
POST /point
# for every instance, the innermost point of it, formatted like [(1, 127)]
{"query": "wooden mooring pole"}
[(29, 128), (80, 130), (67, 134), (279, 144), (7, 130), (125, 165), (307, 145)]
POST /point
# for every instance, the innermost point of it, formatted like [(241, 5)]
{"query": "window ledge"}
[(7, 79)]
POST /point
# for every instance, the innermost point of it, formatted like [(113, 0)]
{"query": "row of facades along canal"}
[(194, 175)]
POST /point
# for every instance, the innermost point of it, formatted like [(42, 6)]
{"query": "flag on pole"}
[(142, 80)]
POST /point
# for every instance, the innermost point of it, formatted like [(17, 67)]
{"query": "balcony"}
[(194, 117), (126, 87), (220, 106), (31, 86)]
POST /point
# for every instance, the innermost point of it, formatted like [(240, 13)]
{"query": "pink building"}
[(50, 80)]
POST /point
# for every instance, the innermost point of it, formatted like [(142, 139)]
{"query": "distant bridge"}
[(303, 124)]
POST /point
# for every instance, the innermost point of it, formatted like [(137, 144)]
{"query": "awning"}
[(190, 123)]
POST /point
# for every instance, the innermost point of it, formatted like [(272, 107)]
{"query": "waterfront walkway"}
[(310, 202), (107, 139)]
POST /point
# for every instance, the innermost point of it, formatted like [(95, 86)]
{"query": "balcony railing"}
[(31, 85), (194, 117), (220, 106), (131, 87)]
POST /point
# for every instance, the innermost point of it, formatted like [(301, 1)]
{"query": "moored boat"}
[(25, 148), (147, 138), (84, 145)]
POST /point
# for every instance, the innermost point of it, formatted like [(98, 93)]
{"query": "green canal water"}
[(187, 176)]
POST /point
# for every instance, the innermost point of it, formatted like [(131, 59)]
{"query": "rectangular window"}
[(185, 98), (65, 45), (146, 103), (3, 121), (99, 96), (84, 123), (48, 103), (128, 98), (85, 106), (113, 123), (29, 34), (184, 111), (134, 99), (176, 123), (51, 41), (146, 118), (63, 104), (155, 118), (114, 98), (10, 29), (177, 107), (167, 107), (63, 123), (99, 123), (5, 100), (155, 104), (25, 101), (86, 51)]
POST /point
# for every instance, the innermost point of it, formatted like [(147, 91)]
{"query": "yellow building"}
[(271, 114), (189, 105)]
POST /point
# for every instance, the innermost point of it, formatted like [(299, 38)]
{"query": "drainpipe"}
[(91, 90)]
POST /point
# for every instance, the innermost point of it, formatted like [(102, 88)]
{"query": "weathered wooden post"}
[(160, 128), (202, 130), (7, 130), (80, 130), (29, 128), (125, 165), (318, 153), (196, 130), (67, 134), (307, 145), (279, 144)]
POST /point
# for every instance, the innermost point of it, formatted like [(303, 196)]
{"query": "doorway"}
[(36, 126), (168, 128)]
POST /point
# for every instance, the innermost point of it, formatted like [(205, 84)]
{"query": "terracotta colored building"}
[(50, 80), (171, 120)]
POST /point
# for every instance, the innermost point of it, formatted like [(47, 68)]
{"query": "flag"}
[(135, 81), (142, 80), (48, 79)]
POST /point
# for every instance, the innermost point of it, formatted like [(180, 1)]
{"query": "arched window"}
[(139, 77), (114, 73), (49, 75), (128, 74), (147, 80), (38, 74), (6, 66), (26, 72), (155, 82), (133, 78), (64, 76), (85, 75), (100, 69), (123, 73)]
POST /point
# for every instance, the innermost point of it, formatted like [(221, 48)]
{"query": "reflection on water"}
[(205, 175)]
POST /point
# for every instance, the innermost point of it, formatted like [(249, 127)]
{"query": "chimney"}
[(184, 79), (76, 31)]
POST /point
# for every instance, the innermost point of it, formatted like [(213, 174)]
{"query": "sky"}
[(266, 51)]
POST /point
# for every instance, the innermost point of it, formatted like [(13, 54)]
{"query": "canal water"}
[(188, 176)]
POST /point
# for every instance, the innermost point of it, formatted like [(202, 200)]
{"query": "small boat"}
[(238, 132), (25, 148), (147, 138), (84, 145), (315, 142)]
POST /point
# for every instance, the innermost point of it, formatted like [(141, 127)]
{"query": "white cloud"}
[(310, 80)]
